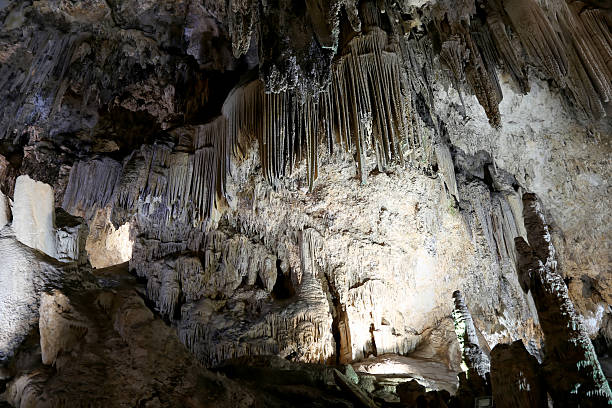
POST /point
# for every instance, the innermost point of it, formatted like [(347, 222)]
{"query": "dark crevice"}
[(488, 177), (258, 282), (340, 324), (363, 282), (372, 350), (283, 288)]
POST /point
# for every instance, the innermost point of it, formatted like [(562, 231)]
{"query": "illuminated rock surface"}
[(308, 181), (34, 215)]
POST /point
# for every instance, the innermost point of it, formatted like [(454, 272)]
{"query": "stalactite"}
[(243, 110), (369, 99), (212, 153), (509, 56), (474, 360), (180, 170), (498, 217), (39, 90), (482, 77), (243, 16), (583, 63), (363, 107), (92, 185), (446, 168), (454, 55), (590, 78), (538, 37)]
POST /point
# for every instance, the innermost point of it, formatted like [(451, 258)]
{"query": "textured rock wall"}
[(314, 182), (102, 346)]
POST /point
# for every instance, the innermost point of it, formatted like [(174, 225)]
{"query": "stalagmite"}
[(473, 381), (475, 362), (515, 378), (570, 368), (302, 328)]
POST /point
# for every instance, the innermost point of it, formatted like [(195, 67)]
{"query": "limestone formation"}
[(474, 381), (100, 343), (516, 380), (305, 180), (34, 215), (475, 362), (24, 275), (570, 368)]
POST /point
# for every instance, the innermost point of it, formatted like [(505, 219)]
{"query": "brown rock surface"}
[(515, 377)]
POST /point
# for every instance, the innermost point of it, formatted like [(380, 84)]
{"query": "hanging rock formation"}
[(306, 180)]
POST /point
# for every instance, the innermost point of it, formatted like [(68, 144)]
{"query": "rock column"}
[(473, 382), (570, 368)]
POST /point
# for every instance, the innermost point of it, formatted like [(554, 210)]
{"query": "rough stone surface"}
[(24, 274), (515, 377), (5, 210), (572, 372), (313, 180)]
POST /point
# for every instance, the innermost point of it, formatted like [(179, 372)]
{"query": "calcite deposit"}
[(281, 187)]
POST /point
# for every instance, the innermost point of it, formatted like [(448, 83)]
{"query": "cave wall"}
[(315, 181)]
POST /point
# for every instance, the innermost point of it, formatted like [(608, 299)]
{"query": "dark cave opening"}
[(283, 288)]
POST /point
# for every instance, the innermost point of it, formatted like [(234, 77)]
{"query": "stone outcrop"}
[(34, 215), (104, 346)]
